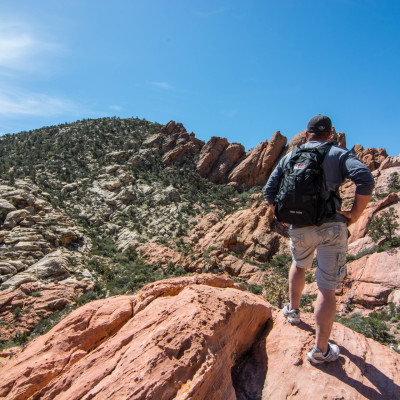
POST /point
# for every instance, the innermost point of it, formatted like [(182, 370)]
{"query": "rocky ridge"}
[(198, 337)]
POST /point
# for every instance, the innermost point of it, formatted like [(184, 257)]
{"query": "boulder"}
[(178, 338), (23, 308), (247, 232), (225, 162), (6, 205), (374, 277), (371, 157), (13, 218)]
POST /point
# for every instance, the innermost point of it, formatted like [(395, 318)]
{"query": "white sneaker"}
[(315, 356), (293, 316)]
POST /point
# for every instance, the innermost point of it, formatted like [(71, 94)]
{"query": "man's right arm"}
[(272, 186)]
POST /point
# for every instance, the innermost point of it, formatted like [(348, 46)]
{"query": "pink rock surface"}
[(246, 232), (23, 308), (209, 154), (375, 277), (365, 369), (177, 338), (197, 337), (359, 229), (158, 254)]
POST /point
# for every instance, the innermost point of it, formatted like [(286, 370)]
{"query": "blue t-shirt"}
[(339, 164)]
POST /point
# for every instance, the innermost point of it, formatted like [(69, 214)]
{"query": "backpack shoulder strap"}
[(321, 151)]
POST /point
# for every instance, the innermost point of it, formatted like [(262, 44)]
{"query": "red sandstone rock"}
[(365, 369), (256, 167), (175, 339), (23, 308), (194, 338), (358, 230), (158, 254), (341, 139), (297, 140), (209, 154), (247, 232), (390, 162), (225, 162), (371, 157), (374, 277)]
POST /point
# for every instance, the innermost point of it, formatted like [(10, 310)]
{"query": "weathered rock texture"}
[(175, 339), (222, 162), (173, 143), (41, 252), (250, 233), (193, 338), (23, 308), (375, 279), (364, 370), (371, 157)]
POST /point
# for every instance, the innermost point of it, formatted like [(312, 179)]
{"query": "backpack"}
[(299, 200)]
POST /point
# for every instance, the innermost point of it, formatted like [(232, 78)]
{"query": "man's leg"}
[(325, 311), (297, 280)]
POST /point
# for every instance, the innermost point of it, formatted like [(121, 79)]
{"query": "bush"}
[(373, 326), (384, 226)]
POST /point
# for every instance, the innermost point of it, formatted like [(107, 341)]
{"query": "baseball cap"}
[(319, 124)]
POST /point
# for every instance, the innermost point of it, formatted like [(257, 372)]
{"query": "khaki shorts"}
[(330, 241)]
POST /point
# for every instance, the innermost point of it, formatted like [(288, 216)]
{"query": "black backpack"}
[(299, 201)]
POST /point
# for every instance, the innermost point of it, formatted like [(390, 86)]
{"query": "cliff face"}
[(199, 338)]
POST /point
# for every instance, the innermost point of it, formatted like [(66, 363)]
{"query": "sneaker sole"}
[(293, 321), (313, 361)]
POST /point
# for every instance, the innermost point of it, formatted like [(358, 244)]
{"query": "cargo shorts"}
[(330, 242)]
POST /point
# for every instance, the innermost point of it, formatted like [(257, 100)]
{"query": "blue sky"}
[(237, 69)]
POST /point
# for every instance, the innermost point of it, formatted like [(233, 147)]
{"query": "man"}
[(328, 239)]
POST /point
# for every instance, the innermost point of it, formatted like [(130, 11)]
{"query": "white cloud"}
[(115, 108), (34, 104), (162, 85), (21, 49)]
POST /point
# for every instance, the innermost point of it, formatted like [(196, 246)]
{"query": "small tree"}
[(384, 226), (394, 182)]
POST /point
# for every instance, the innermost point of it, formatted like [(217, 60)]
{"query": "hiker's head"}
[(319, 128)]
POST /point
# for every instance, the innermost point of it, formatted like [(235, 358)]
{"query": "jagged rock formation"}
[(217, 159), (372, 158), (192, 338), (222, 162), (247, 232)]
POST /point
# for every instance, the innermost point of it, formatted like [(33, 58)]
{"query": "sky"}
[(231, 68)]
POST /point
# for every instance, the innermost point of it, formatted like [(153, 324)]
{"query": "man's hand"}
[(350, 218), (360, 202)]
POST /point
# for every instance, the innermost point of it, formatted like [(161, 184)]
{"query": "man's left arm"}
[(354, 169)]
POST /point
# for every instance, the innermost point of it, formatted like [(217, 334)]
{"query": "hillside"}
[(102, 207)]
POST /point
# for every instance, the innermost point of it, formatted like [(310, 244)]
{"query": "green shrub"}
[(384, 226), (256, 289), (373, 326)]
